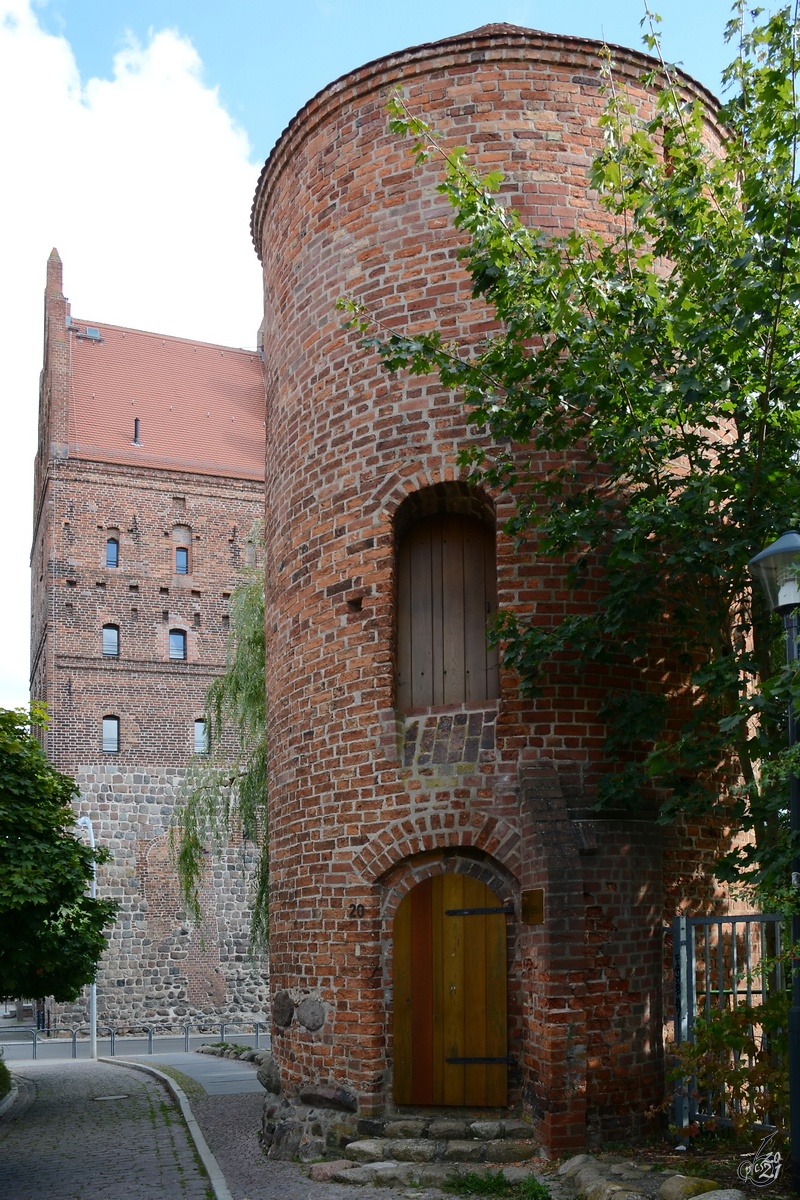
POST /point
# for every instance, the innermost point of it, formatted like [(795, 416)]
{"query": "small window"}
[(200, 737), (112, 552), (177, 643), (111, 735), (111, 641), (182, 560)]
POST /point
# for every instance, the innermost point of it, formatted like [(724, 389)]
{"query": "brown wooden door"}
[(449, 995), (446, 594)]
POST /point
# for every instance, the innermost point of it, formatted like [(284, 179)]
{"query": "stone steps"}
[(429, 1150), (393, 1174), (445, 1129), (424, 1151)]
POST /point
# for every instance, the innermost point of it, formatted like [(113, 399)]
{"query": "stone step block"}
[(370, 1151), (419, 1150), (445, 1129), (405, 1129), (390, 1174), (510, 1152), (425, 1150)]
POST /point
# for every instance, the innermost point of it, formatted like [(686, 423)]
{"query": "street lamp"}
[(86, 824), (776, 568)]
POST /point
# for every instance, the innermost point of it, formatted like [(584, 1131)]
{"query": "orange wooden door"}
[(450, 995)]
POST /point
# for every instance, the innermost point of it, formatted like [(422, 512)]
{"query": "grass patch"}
[(189, 1085), (475, 1183), (229, 1046), (5, 1078)]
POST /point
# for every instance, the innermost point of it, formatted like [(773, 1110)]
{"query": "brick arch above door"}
[(439, 831)]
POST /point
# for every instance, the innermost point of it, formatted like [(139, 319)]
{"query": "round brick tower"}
[(411, 788)]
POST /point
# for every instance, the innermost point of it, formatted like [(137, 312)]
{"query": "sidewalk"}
[(61, 1141)]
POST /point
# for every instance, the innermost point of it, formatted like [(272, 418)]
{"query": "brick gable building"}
[(419, 805), (149, 476)]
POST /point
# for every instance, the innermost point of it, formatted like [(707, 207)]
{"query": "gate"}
[(450, 1009), (719, 962)]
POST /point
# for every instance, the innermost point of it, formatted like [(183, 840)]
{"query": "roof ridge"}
[(172, 337)]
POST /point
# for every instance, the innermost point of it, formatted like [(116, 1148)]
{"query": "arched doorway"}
[(450, 1008)]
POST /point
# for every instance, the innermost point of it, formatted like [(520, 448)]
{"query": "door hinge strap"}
[(478, 1060), (476, 912)]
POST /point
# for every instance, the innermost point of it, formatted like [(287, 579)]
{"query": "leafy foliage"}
[(225, 793), (51, 933), (473, 1183), (638, 396), (739, 1057), (5, 1077)]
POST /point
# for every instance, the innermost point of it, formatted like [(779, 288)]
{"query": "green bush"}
[(731, 1063), (472, 1183), (5, 1078)]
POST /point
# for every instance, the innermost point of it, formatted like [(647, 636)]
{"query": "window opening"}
[(177, 644), (111, 641), (137, 441), (446, 594), (200, 737), (111, 735), (112, 552), (181, 560)]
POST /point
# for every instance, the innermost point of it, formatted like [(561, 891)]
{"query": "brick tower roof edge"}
[(367, 77), (200, 406)]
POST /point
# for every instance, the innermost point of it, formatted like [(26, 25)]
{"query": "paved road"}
[(62, 1141), (218, 1076)]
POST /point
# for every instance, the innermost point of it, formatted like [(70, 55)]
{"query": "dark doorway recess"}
[(450, 995)]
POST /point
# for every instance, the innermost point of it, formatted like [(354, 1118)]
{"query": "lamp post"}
[(86, 824), (776, 568)]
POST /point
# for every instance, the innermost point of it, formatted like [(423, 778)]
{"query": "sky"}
[(133, 136)]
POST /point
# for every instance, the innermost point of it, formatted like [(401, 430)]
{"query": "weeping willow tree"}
[(224, 796)]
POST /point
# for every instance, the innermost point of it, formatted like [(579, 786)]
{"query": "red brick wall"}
[(357, 800), (156, 965)]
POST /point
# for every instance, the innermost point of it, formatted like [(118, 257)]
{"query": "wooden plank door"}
[(446, 595), (450, 995)]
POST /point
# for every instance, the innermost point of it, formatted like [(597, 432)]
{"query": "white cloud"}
[(144, 184)]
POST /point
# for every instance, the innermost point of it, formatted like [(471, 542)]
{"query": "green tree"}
[(225, 792), (51, 932), (660, 364)]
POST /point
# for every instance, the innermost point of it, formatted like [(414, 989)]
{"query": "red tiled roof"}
[(200, 407)]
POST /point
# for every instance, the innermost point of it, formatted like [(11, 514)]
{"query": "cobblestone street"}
[(60, 1141)]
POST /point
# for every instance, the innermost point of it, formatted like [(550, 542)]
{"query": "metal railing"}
[(258, 1029), (720, 963)]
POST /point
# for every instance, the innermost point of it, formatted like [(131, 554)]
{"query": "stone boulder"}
[(328, 1095), (269, 1076), (282, 1009), (323, 1172), (311, 1014), (683, 1187)]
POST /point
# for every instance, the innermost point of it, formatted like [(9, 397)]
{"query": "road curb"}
[(212, 1167), (9, 1099)]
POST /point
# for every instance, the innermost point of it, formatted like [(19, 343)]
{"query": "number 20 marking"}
[(355, 910)]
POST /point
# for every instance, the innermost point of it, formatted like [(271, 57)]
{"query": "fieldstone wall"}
[(159, 966)]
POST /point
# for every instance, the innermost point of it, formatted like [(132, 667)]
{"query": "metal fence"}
[(113, 1033), (719, 963)]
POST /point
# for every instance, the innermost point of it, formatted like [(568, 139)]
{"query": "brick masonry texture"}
[(366, 801), (157, 965)]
